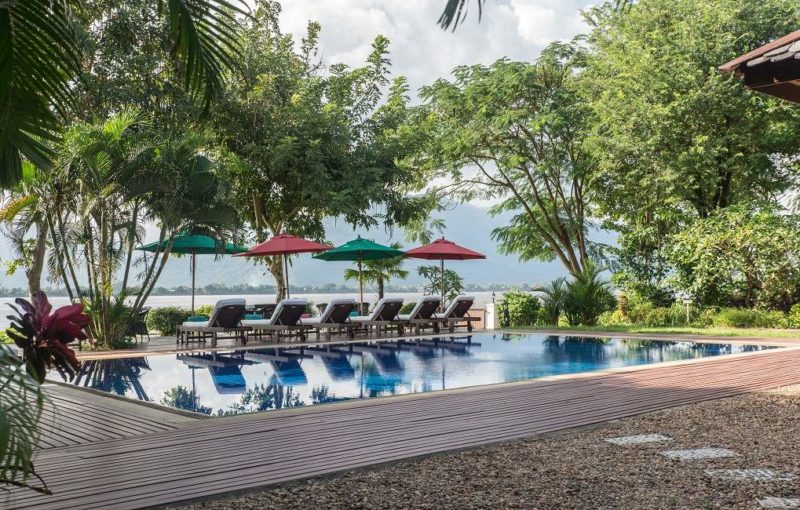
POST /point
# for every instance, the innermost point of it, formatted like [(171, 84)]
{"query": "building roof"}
[(773, 68)]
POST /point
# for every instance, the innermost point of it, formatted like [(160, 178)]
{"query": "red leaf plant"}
[(44, 337)]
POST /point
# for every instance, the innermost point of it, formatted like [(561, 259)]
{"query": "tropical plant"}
[(40, 58), (455, 13), (453, 282), (586, 296), (552, 296), (44, 337), (523, 308), (166, 319), (112, 178), (740, 257), (379, 272), (21, 405), (676, 140), (309, 141), (515, 133)]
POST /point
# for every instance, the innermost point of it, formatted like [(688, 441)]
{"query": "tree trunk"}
[(34, 273), (380, 287), (275, 266)]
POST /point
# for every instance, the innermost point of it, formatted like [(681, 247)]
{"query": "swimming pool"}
[(256, 380)]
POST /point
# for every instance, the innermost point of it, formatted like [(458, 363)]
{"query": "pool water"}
[(255, 380)]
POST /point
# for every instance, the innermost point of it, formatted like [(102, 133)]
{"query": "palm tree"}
[(379, 272), (553, 297), (40, 59)]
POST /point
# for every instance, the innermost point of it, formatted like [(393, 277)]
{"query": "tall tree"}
[(675, 139), (40, 58), (514, 133), (310, 142)]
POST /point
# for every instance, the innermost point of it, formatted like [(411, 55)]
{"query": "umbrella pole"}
[(286, 274), (194, 272), (360, 289), (442, 303)]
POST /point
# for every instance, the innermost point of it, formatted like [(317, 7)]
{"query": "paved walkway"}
[(210, 457)]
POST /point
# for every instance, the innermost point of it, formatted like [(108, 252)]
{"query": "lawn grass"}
[(712, 331)]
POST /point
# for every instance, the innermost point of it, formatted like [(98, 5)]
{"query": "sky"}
[(423, 52), (420, 50)]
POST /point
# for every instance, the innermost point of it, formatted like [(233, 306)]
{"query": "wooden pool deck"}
[(172, 460)]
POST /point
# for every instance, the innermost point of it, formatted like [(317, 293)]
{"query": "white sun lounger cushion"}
[(219, 305), (325, 316), (415, 312), (448, 314), (273, 321), (377, 310)]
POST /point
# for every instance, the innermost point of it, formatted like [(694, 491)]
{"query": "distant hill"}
[(467, 225)]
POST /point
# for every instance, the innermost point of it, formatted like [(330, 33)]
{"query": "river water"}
[(185, 300)]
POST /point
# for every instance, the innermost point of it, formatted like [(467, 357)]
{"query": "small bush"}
[(523, 308), (750, 318), (166, 320), (206, 310), (705, 318), (793, 318), (406, 308), (4, 339), (612, 318)]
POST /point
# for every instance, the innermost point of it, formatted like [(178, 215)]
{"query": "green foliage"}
[(740, 256), (523, 308), (515, 133), (166, 319), (587, 296), (206, 310), (407, 308), (749, 318), (612, 318), (21, 405), (552, 297), (309, 140), (379, 272), (453, 282), (4, 338), (793, 317), (675, 139), (42, 53)]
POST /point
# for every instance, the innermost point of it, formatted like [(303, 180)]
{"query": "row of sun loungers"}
[(287, 319)]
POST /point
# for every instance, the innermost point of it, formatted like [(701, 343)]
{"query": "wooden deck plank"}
[(216, 456)]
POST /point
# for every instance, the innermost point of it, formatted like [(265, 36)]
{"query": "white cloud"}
[(420, 50)]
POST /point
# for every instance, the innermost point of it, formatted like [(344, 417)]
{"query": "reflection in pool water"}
[(256, 380)]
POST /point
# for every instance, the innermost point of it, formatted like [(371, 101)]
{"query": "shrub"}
[(750, 318), (4, 338), (612, 318), (523, 308), (406, 308), (552, 300), (587, 296), (206, 310), (166, 320), (793, 318)]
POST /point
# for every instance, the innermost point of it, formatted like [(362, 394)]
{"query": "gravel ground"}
[(578, 469)]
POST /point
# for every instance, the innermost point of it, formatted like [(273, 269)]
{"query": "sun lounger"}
[(335, 316), (225, 318), (384, 315), (285, 319), (421, 315), (456, 313)]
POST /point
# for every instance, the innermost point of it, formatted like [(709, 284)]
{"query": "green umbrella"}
[(194, 245), (359, 250)]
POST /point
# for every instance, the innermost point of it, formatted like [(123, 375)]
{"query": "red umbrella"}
[(442, 249), (284, 244)]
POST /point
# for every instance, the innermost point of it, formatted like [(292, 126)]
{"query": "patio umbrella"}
[(442, 249), (359, 250), (284, 244), (194, 245)]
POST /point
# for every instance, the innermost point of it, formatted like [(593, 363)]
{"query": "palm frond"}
[(455, 12), (205, 37), (38, 57)]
